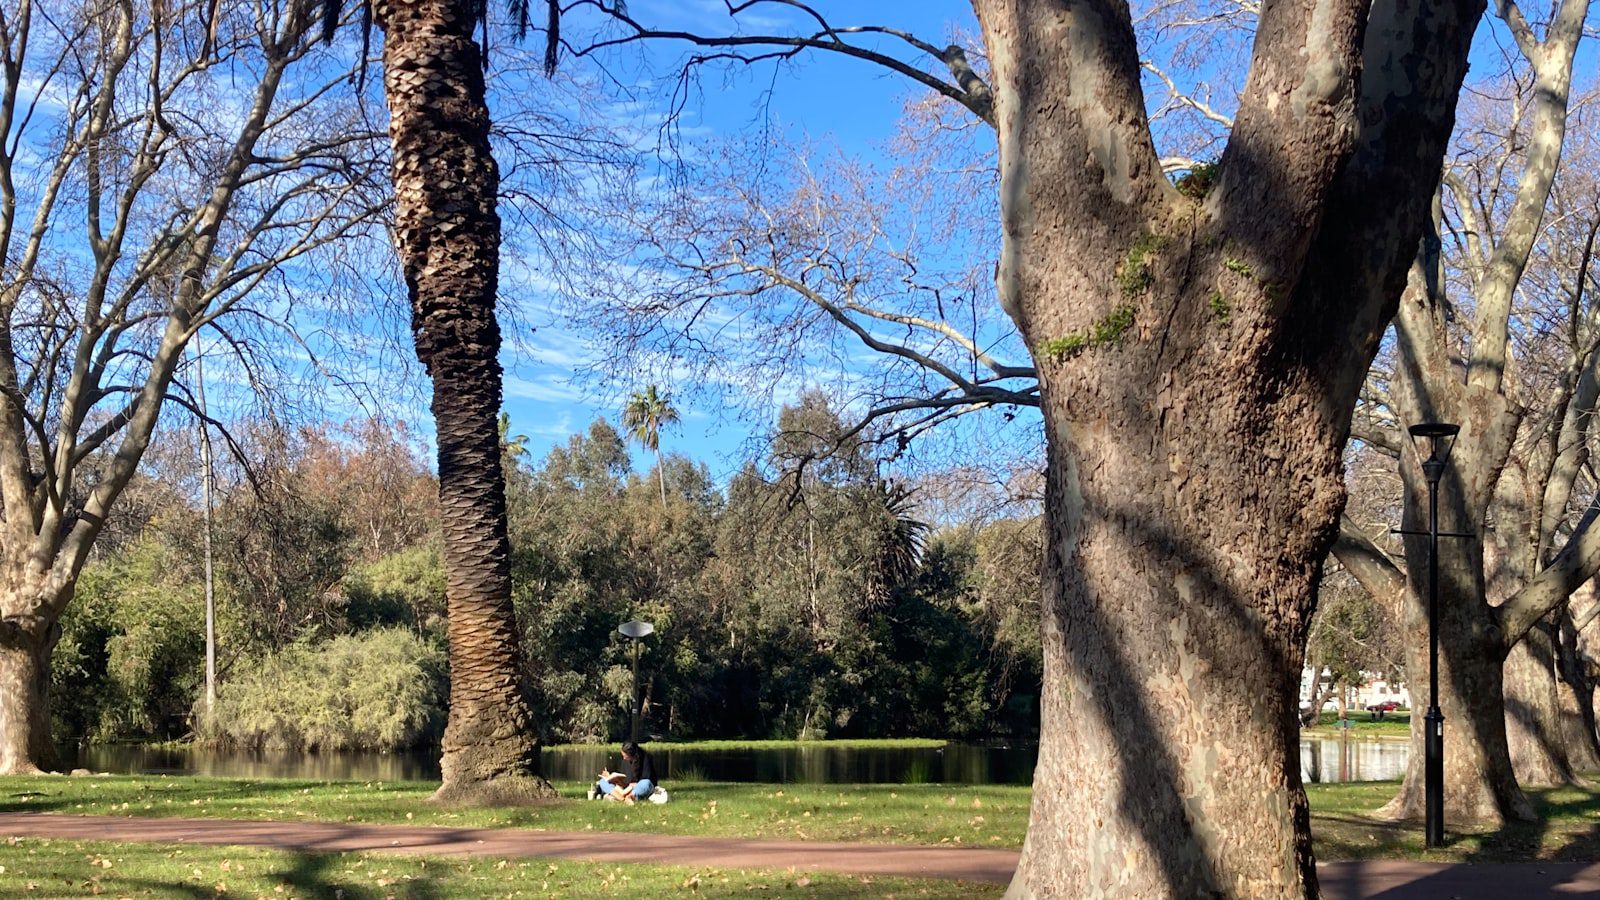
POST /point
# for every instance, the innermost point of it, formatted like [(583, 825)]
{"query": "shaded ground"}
[(1568, 829), (318, 841)]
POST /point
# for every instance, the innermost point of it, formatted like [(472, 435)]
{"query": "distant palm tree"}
[(513, 447), (644, 415), (900, 539)]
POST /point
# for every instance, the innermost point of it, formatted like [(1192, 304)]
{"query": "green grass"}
[(993, 816), (957, 815), (1343, 828), (1363, 724), (31, 867), (861, 744)]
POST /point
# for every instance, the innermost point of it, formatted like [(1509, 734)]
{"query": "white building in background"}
[(1379, 689), (1374, 689)]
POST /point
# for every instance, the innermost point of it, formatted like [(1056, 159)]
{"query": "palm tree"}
[(644, 415), (514, 447), (447, 233)]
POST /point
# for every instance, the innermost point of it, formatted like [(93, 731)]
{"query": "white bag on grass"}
[(659, 795)]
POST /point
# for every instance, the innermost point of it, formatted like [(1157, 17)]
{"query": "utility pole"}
[(205, 490)]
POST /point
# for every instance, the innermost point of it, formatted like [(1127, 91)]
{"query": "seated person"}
[(636, 783)]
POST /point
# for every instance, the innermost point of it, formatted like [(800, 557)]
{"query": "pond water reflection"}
[(1327, 760), (1321, 760)]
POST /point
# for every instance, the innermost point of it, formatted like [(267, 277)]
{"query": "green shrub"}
[(129, 661), (403, 588), (378, 690)]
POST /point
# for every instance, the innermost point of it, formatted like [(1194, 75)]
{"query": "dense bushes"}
[(791, 601), (125, 666), (791, 604), (378, 690)]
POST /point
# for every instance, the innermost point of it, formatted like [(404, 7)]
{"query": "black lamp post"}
[(1433, 772), (636, 631)]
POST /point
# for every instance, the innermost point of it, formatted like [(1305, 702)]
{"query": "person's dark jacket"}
[(641, 768)]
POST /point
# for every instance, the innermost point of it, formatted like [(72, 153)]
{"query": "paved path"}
[(1358, 880)]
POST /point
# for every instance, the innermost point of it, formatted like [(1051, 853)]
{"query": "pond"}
[(1336, 759), (1321, 760)]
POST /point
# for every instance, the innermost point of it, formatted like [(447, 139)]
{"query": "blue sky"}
[(850, 103), (818, 96)]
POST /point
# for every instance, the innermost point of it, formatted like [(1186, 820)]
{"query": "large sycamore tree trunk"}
[(1575, 687), (1199, 361), (1533, 711), (1497, 583), (448, 235), (25, 645)]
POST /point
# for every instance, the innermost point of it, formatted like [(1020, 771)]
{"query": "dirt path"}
[(1385, 879)]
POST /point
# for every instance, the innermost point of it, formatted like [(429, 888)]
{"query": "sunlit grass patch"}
[(1362, 724), (1343, 824), (54, 868), (962, 815)]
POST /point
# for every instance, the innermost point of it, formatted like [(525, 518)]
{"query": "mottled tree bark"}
[(1198, 364), (448, 235), (1533, 712), (1575, 693), (25, 646)]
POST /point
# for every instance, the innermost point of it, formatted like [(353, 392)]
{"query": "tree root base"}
[(507, 790), (25, 769)]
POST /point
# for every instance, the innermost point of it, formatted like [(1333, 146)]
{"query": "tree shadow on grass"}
[(312, 874), (166, 797), (47, 798), (1567, 831), (1351, 836)]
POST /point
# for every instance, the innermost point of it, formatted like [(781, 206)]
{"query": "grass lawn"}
[(1342, 828), (50, 868), (994, 816), (1363, 724), (915, 814)]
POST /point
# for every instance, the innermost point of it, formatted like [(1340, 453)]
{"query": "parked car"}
[(1382, 707)]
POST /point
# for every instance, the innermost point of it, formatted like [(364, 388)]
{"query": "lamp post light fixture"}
[(636, 631), (1441, 437)]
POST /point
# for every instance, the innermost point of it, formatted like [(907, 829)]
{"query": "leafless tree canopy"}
[(165, 169)]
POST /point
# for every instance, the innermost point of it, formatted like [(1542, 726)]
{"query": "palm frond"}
[(552, 36)]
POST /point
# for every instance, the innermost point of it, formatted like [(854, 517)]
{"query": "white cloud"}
[(548, 389)]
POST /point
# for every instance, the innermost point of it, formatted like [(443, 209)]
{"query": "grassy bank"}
[(1362, 724), (51, 868), (992, 816)]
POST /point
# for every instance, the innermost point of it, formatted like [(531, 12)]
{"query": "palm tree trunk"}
[(448, 236), (661, 476)]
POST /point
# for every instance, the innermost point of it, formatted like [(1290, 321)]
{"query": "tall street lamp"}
[(636, 631), (1441, 440)]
